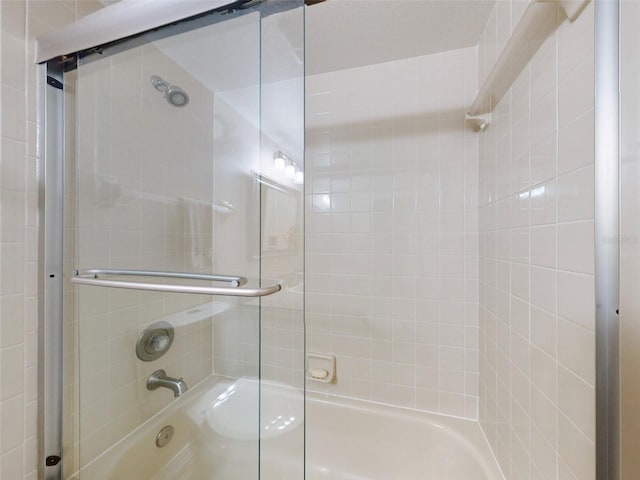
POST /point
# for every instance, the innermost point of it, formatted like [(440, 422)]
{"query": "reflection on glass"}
[(280, 219)]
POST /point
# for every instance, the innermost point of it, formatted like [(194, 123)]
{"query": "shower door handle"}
[(93, 277)]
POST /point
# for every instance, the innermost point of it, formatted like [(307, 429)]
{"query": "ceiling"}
[(343, 34)]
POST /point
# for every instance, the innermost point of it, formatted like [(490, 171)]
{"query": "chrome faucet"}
[(159, 378)]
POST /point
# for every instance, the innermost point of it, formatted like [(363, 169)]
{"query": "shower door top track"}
[(118, 21)]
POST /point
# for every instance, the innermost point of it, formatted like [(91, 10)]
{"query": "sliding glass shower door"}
[(184, 316)]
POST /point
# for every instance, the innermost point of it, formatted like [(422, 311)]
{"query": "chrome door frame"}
[(607, 243), (51, 244)]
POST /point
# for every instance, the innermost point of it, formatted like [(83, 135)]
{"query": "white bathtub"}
[(215, 430), (355, 440)]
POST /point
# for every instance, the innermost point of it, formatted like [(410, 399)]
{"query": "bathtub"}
[(215, 429), (355, 440)]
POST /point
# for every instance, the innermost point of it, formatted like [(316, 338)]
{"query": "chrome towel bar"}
[(95, 272), (93, 277)]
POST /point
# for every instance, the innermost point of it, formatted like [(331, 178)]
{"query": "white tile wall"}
[(236, 333), (393, 241), (282, 128), (391, 257), (21, 22), (277, 321), (536, 258)]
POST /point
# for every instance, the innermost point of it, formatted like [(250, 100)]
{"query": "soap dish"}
[(321, 368)]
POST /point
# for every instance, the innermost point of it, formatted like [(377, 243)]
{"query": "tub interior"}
[(215, 438)]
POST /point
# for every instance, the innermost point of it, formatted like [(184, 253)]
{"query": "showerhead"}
[(176, 96), (173, 94)]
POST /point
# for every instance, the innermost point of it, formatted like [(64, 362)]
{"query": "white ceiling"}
[(343, 34)]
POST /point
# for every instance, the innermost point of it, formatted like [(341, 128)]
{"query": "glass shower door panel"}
[(167, 149), (282, 234)]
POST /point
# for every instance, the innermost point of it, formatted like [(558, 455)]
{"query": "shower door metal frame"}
[(607, 238), (51, 281)]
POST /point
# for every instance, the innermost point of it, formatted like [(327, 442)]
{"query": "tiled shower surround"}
[(392, 222), (22, 21), (445, 269), (395, 184), (537, 342)]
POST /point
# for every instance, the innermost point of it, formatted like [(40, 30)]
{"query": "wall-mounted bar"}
[(95, 277), (235, 281), (540, 20)]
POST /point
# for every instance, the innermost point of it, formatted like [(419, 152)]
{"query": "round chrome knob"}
[(154, 341), (164, 436)]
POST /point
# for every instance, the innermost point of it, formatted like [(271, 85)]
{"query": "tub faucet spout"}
[(159, 378)]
